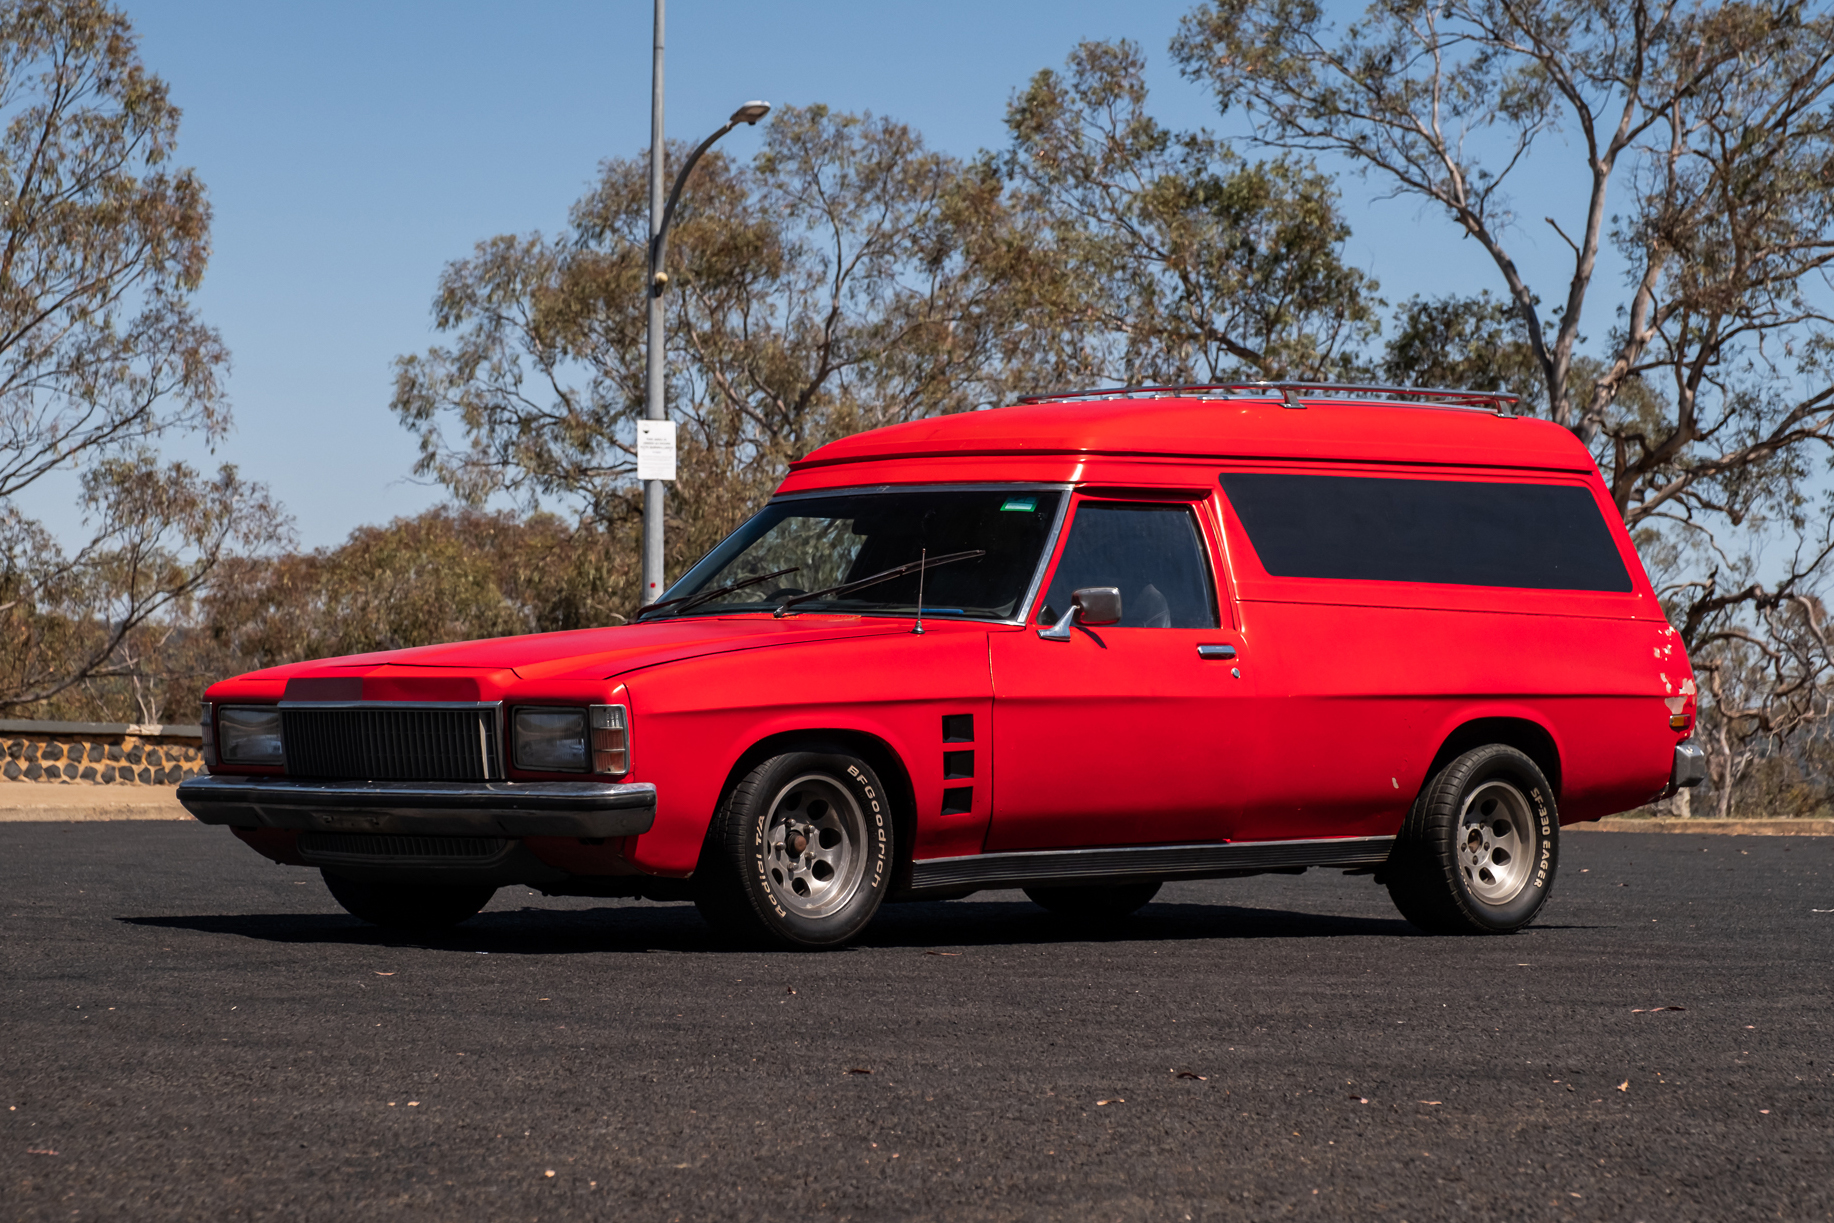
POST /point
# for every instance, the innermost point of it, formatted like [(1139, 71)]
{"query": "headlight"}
[(249, 734), (572, 740)]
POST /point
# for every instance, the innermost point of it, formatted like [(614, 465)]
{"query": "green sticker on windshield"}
[(1023, 505)]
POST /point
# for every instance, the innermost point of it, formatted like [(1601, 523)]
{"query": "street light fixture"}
[(747, 114), (654, 437)]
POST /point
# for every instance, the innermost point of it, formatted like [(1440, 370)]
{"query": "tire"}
[(1479, 849), (415, 907), (1094, 901), (800, 855)]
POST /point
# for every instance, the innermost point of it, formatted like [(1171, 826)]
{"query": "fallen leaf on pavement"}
[(1188, 1074), (942, 953), (1432, 1101), (790, 990), (858, 1070), (1624, 1086), (36, 1151), (1651, 1010), (1116, 1100), (383, 974), (1360, 1099)]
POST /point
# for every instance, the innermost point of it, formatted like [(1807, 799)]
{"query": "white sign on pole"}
[(655, 450)]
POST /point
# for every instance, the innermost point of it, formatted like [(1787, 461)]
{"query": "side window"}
[(1454, 532), (1153, 553)]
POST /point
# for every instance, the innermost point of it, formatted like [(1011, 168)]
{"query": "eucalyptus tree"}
[(840, 281), (1164, 256), (1690, 148), (101, 354)]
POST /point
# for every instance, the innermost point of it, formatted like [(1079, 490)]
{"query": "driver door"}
[(1124, 734)]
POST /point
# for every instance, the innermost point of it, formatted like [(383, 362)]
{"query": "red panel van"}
[(1079, 646)]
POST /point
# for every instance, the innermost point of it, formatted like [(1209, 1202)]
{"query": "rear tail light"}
[(610, 739)]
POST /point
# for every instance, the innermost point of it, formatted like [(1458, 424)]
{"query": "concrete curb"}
[(83, 803), (1744, 828)]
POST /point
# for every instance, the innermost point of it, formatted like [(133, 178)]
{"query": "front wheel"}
[(1478, 851), (800, 855), (416, 907)]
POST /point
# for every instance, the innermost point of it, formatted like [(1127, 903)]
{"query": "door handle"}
[(1218, 653)]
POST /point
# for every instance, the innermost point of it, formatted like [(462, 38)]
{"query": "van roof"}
[(1191, 425)]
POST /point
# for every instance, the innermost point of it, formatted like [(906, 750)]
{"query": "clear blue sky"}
[(351, 150)]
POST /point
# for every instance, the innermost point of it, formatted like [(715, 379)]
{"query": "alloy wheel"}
[(814, 846), (1496, 842)]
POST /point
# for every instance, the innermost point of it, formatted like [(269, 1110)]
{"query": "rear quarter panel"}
[(1362, 682)]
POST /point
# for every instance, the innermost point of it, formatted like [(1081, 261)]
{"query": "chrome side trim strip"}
[(431, 808), (1143, 862)]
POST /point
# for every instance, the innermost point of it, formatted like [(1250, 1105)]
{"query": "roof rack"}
[(1500, 402)]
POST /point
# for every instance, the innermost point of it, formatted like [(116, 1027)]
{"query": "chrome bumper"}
[(430, 808), (1689, 769)]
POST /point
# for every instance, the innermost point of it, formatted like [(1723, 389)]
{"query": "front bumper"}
[(429, 808)]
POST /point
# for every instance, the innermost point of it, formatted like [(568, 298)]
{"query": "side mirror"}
[(1098, 604), (1092, 605)]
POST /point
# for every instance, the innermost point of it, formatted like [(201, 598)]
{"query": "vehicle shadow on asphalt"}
[(637, 928)]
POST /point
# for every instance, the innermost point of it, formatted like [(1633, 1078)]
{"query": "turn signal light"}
[(1678, 722), (610, 739)]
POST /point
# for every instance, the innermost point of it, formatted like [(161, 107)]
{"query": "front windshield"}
[(833, 540)]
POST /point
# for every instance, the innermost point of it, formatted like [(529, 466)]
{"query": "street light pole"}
[(653, 371), (661, 213)]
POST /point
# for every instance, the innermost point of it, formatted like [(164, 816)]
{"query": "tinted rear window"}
[(1538, 536)]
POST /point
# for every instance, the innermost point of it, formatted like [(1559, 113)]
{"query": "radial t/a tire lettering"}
[(408, 906), (1479, 849), (800, 854)]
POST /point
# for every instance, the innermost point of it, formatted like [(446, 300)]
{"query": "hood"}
[(583, 654)]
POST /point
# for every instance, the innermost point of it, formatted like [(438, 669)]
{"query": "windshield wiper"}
[(695, 600), (885, 576)]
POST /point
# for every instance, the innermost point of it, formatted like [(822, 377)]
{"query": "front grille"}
[(366, 845), (382, 744)]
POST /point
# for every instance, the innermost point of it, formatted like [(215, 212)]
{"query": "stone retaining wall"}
[(98, 753)]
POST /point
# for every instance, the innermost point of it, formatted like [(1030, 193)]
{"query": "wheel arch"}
[(1524, 734), (869, 747)]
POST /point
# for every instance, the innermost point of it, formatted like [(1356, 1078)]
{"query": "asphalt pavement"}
[(190, 1032)]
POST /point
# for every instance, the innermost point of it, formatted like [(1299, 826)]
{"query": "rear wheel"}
[(1478, 852), (1095, 901), (801, 853), (408, 906)]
